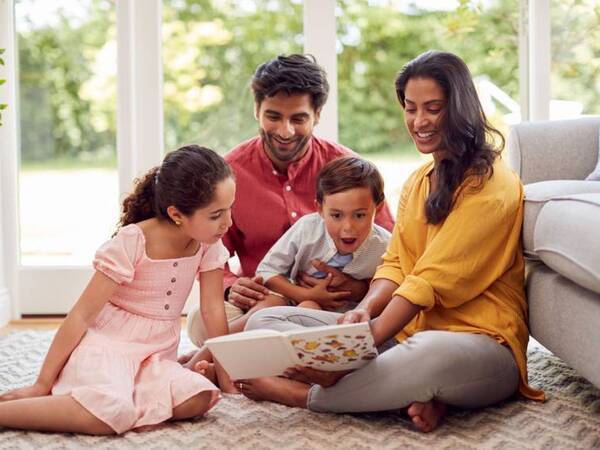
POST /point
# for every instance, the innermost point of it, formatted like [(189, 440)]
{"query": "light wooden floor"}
[(43, 323)]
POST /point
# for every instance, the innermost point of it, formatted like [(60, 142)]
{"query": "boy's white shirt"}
[(308, 239)]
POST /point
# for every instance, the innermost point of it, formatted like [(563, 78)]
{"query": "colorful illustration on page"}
[(334, 351)]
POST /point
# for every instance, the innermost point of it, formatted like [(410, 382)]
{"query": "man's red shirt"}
[(267, 202)]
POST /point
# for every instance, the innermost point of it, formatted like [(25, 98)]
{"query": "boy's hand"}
[(36, 390), (339, 282), (324, 297)]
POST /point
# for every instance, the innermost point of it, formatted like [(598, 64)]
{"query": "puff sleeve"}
[(214, 257), (118, 257)]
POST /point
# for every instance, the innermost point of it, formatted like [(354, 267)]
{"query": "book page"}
[(335, 347)]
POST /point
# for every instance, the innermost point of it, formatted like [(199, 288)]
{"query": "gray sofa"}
[(561, 236)]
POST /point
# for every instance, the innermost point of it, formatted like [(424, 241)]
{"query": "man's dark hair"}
[(293, 74), (349, 172)]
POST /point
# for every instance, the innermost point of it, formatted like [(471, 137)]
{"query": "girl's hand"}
[(36, 390), (354, 316), (324, 297)]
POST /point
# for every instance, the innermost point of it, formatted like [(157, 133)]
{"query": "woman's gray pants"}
[(467, 370)]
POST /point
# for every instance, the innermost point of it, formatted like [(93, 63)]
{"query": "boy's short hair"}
[(349, 172)]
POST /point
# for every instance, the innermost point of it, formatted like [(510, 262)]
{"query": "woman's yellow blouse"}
[(468, 271)]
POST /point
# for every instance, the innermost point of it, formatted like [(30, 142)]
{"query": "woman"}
[(450, 289)]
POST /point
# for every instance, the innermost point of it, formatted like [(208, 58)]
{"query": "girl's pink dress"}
[(125, 371)]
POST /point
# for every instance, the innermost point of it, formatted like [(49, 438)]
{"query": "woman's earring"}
[(177, 222)]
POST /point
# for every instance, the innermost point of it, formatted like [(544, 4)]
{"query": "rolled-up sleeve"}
[(471, 249)]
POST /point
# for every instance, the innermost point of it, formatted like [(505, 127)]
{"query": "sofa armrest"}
[(554, 150)]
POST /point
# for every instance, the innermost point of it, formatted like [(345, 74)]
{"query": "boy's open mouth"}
[(348, 241)]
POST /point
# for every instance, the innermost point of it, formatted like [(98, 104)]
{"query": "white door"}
[(68, 174)]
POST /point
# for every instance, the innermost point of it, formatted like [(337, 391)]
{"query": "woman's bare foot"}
[(314, 376), (207, 369), (275, 389), (427, 416)]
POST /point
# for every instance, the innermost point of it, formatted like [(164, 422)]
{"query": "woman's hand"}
[(36, 390), (245, 292), (313, 376), (354, 316), (224, 382)]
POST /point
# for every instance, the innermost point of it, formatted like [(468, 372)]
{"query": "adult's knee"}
[(263, 317)]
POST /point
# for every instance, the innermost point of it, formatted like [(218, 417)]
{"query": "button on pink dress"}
[(125, 371)]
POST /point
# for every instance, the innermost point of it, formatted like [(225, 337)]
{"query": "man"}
[(276, 174)]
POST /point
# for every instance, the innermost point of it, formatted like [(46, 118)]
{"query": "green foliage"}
[(2, 81), (370, 115), (212, 47)]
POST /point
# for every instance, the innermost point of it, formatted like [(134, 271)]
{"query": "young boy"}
[(342, 234)]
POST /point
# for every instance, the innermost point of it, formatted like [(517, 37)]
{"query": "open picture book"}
[(262, 353)]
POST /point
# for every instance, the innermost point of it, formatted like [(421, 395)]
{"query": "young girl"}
[(112, 364)]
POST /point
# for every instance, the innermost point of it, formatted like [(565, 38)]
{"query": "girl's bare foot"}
[(427, 416), (275, 389), (207, 369)]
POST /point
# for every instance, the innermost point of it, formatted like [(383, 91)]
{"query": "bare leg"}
[(310, 305), (276, 389), (59, 413), (190, 359), (427, 416), (193, 407)]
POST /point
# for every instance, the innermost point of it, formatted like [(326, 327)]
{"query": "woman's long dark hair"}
[(186, 179), (467, 136)]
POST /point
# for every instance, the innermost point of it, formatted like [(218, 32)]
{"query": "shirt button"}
[(274, 172), (288, 188), (175, 264), (294, 213), (169, 292), (166, 306), (173, 280)]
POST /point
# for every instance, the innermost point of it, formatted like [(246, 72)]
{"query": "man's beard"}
[(284, 155)]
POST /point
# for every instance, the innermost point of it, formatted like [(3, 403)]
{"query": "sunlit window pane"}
[(68, 179), (210, 51), (575, 55), (377, 37)]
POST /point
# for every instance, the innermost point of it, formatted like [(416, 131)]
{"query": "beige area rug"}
[(570, 419)]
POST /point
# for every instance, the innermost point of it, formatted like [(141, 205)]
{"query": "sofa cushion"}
[(566, 238), (595, 175), (538, 194)]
